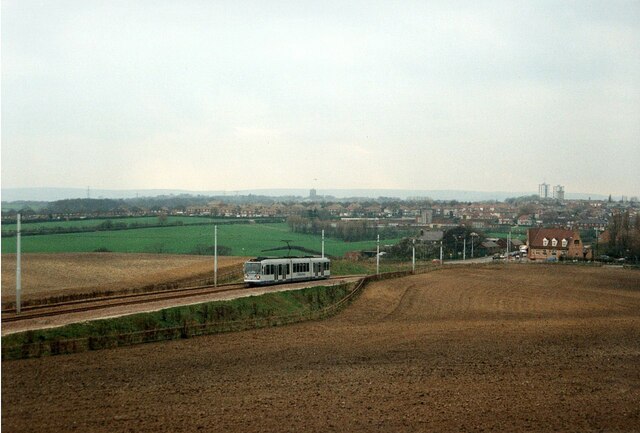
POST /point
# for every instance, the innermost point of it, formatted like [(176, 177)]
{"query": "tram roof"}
[(261, 258)]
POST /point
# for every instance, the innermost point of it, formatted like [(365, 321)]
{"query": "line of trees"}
[(106, 225), (348, 231), (403, 250), (624, 235), (452, 245)]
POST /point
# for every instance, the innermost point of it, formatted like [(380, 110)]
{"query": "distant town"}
[(545, 209), (493, 226)]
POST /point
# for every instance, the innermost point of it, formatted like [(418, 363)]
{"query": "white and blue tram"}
[(263, 270)]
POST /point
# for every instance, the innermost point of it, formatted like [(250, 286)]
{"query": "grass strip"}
[(271, 309)]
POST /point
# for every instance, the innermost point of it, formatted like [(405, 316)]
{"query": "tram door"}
[(280, 272)]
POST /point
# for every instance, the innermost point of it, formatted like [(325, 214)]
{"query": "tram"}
[(265, 270)]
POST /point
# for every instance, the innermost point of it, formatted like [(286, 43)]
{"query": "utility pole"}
[(441, 253), (464, 248), (378, 256), (472, 236), (18, 267), (215, 256), (414, 257), (323, 244)]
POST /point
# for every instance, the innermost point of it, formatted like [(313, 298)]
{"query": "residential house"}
[(525, 220), (592, 223), (489, 247), (548, 243)]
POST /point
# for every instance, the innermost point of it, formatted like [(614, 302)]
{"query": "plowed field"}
[(517, 348)]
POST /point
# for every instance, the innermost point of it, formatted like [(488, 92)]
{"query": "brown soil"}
[(48, 275), (517, 348)]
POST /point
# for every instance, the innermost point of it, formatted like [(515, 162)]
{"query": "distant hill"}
[(52, 194)]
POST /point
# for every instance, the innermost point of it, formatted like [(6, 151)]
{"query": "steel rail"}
[(106, 298), (140, 298)]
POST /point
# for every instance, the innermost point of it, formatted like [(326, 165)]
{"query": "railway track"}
[(83, 305), (78, 306)]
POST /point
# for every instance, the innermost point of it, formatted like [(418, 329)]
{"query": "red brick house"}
[(558, 243)]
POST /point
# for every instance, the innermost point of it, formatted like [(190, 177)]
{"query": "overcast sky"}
[(233, 95)]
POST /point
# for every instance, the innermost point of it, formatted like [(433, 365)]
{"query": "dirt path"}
[(528, 348)]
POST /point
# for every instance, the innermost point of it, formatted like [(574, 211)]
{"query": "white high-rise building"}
[(543, 190), (558, 192)]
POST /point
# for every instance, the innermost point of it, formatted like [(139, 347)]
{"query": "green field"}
[(96, 222), (514, 235), (242, 239)]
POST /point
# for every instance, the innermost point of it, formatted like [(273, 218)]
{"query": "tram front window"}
[(252, 268)]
